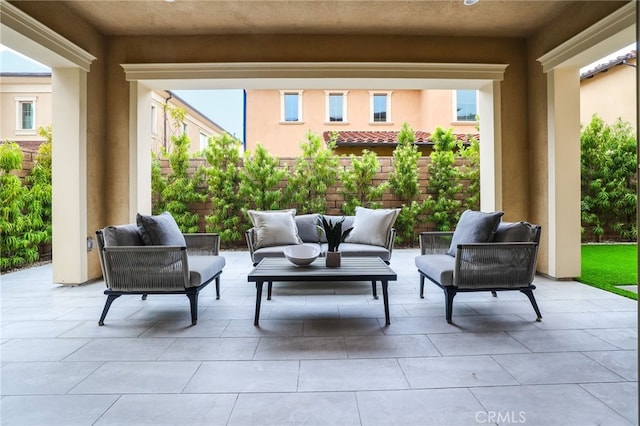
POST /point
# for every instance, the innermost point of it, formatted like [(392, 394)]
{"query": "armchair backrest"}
[(512, 232)]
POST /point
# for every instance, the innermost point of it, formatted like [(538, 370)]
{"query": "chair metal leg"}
[(449, 293), (494, 294), (218, 288), (532, 299), (107, 305), (193, 301), (144, 296), (375, 289), (421, 286), (269, 287)]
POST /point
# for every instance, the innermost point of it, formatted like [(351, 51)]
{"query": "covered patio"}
[(322, 355)]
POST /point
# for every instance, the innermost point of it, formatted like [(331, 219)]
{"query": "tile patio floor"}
[(322, 355)]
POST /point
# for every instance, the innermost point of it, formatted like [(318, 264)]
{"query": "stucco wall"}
[(611, 95), (561, 29), (66, 23)]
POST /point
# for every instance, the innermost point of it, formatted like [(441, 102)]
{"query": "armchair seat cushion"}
[(203, 268), (439, 267)]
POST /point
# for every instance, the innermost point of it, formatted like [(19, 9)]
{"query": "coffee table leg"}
[(258, 300), (385, 297), (375, 289)]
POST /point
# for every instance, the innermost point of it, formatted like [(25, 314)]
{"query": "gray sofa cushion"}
[(122, 235), (160, 230), (353, 249), (474, 227), (509, 232), (308, 227), (437, 266), (203, 268)]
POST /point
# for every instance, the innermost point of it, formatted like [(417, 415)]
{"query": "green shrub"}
[(314, 172), (260, 180), (470, 172), (403, 181), (223, 177), (443, 210), (608, 180), (22, 228), (357, 181), (178, 190)]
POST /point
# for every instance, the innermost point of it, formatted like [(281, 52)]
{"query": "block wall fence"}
[(334, 200)]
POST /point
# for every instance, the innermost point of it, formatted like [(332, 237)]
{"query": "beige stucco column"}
[(69, 175), (139, 149), (563, 109), (490, 147)]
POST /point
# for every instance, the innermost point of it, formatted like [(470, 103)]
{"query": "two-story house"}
[(363, 119)]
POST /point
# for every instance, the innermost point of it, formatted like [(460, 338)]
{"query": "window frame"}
[(283, 94), (372, 95), (327, 103), (154, 120), (206, 140), (22, 100), (454, 107)]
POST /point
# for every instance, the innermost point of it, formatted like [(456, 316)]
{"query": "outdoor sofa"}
[(152, 256), (372, 235)]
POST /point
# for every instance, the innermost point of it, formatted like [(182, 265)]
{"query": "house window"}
[(336, 107), (380, 107), (26, 115), (466, 105), (154, 120), (204, 141), (291, 106), (185, 128)]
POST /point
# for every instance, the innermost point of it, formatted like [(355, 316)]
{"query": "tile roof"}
[(384, 137), (620, 60)]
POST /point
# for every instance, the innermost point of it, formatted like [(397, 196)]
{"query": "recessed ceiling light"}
[(171, 1), (470, 2)]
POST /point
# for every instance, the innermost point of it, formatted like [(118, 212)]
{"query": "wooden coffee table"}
[(351, 269)]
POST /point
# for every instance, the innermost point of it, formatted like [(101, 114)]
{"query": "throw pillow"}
[(372, 226), (474, 227), (160, 230), (122, 235), (508, 232), (274, 228)]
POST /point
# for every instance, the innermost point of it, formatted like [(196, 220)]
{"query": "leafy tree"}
[(21, 227), (40, 190), (315, 171), (470, 172), (178, 190), (444, 182), (403, 181), (357, 180), (223, 177), (260, 180), (609, 180)]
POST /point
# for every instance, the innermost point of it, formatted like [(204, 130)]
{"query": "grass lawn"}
[(607, 266)]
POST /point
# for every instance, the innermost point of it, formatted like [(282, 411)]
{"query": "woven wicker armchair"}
[(507, 263), (130, 267)]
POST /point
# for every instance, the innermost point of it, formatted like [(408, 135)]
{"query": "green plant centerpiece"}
[(335, 235)]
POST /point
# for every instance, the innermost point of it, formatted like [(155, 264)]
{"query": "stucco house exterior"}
[(363, 119), (610, 90), (522, 57), (26, 105)]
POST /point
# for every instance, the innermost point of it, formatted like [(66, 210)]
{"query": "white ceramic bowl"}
[(301, 255)]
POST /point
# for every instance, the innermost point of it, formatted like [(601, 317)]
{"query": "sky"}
[(224, 107)]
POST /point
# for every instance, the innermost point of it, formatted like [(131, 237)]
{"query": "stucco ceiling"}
[(500, 18)]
